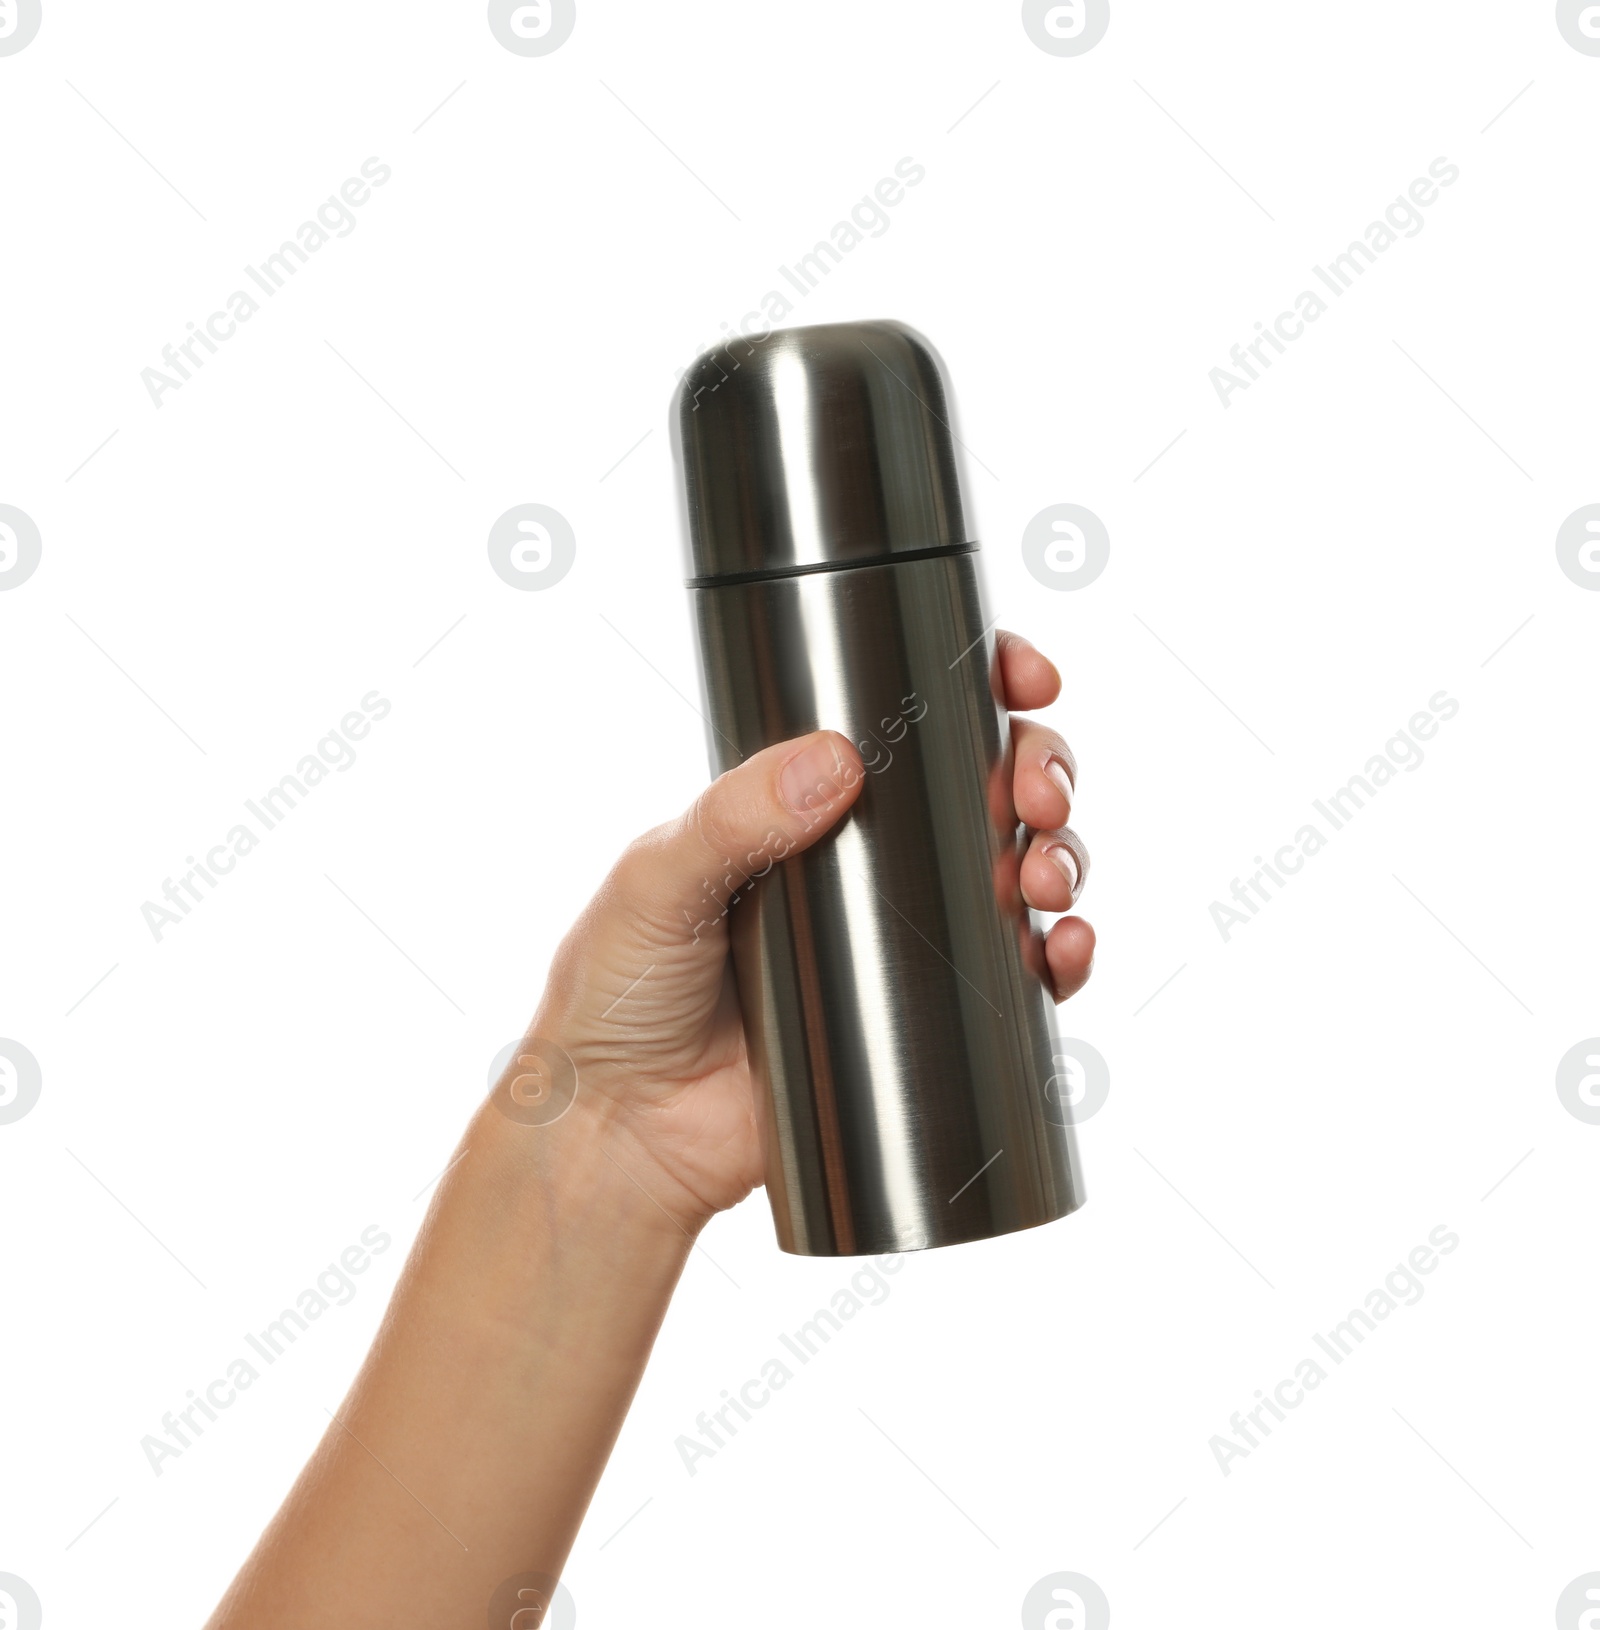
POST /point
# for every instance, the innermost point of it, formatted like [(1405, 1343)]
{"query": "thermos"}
[(903, 1052)]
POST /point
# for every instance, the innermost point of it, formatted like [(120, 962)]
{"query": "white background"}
[(1294, 1111)]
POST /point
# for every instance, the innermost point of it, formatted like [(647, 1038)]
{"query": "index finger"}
[(1028, 677)]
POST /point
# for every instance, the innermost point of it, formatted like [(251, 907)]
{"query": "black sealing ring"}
[(893, 558)]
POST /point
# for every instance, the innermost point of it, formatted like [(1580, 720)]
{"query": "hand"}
[(641, 994), (525, 1313)]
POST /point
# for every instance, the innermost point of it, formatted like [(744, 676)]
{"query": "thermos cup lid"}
[(807, 449)]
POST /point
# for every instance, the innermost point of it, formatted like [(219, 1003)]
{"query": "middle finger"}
[(1043, 774)]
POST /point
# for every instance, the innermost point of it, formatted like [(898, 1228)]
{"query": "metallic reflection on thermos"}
[(904, 1050)]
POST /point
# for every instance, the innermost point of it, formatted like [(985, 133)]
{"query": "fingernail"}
[(1065, 862), (1059, 776), (812, 777)]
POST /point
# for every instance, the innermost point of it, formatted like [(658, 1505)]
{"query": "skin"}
[(472, 1441)]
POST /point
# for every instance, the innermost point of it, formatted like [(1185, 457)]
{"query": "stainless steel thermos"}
[(904, 1053)]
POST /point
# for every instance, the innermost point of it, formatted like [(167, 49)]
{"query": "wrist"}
[(583, 1179)]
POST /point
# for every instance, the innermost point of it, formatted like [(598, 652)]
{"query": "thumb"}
[(777, 803)]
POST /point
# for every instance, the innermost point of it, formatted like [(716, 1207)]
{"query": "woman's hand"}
[(641, 995), (456, 1473)]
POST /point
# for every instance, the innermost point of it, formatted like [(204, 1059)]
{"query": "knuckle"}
[(638, 866), (708, 822), (1044, 736)]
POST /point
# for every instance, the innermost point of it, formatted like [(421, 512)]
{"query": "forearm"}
[(473, 1438)]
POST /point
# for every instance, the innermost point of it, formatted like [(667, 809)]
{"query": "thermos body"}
[(903, 1050)]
